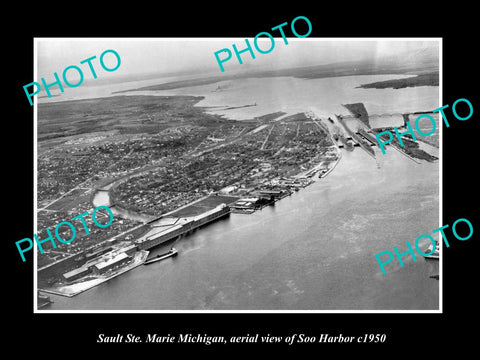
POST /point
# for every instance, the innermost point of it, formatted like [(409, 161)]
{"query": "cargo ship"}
[(159, 257)]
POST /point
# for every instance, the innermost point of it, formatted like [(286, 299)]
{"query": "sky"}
[(166, 55)]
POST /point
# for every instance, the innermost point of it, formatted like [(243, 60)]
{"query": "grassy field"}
[(120, 115)]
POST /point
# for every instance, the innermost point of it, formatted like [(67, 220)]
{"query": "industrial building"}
[(109, 263), (178, 227), (158, 236), (247, 204), (105, 259), (76, 273), (97, 252), (211, 215)]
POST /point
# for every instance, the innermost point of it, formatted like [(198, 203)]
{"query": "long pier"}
[(369, 136), (372, 139)]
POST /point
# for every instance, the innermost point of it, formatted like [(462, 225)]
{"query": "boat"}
[(322, 173), (171, 252), (43, 300), (436, 253), (348, 143)]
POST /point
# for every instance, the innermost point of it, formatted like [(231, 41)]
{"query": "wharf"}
[(84, 284)]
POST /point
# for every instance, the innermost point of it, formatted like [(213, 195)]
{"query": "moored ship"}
[(436, 254), (159, 257)]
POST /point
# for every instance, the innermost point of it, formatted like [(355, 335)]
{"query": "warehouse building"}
[(109, 263)]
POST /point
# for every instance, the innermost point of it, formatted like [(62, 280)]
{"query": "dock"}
[(368, 136), (90, 281), (171, 228)]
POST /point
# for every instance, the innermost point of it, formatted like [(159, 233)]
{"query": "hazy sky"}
[(163, 55)]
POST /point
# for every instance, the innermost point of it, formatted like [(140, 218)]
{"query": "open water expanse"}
[(292, 95), (314, 250)]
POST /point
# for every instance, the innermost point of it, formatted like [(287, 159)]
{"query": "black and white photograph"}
[(271, 185), (218, 179)]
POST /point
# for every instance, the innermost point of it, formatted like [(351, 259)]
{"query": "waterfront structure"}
[(100, 260), (160, 236), (211, 215), (274, 193), (48, 273), (105, 259), (246, 204), (110, 263), (130, 250), (179, 227), (77, 273), (97, 252)]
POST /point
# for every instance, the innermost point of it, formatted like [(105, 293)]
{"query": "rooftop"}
[(111, 261)]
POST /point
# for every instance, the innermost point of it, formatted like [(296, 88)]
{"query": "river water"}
[(314, 250)]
